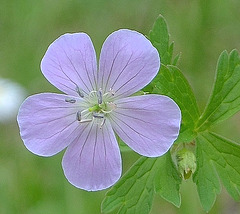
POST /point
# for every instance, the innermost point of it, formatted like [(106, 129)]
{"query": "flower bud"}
[(186, 162)]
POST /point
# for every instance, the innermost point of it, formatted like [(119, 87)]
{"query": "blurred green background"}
[(201, 29)]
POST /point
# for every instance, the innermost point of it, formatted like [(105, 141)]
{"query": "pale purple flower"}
[(98, 104)]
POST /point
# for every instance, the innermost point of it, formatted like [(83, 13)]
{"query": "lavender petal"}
[(128, 62), (149, 124), (48, 123), (93, 162), (70, 64)]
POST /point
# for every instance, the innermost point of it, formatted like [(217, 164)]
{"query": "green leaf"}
[(225, 98), (176, 59), (205, 177), (159, 37), (171, 82), (134, 192), (168, 180), (216, 157)]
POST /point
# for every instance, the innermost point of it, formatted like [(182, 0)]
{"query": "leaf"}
[(216, 157), (205, 177), (176, 59), (134, 192), (225, 99), (226, 157), (159, 37), (168, 180), (171, 82)]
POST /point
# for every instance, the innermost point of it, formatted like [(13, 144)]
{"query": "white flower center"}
[(96, 106)]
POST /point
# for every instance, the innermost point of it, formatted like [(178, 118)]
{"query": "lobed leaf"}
[(159, 37), (171, 82), (134, 192), (225, 99), (168, 180), (205, 177), (216, 157)]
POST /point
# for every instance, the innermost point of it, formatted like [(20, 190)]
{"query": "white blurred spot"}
[(11, 96)]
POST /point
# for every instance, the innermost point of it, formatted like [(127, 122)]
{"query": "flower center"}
[(96, 106)]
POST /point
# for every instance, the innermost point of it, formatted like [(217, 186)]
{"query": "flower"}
[(11, 96), (97, 105)]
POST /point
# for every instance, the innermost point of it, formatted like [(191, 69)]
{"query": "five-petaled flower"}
[(98, 104)]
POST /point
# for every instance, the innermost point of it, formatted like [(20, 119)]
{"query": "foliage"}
[(217, 158)]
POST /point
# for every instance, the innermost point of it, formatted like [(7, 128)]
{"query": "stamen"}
[(99, 96), (70, 100), (86, 120), (106, 112), (92, 93), (109, 94), (80, 92), (79, 116), (111, 91), (98, 105), (103, 122), (98, 115), (110, 107)]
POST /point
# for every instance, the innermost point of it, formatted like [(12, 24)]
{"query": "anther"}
[(99, 96), (111, 91), (70, 100), (80, 92), (98, 115), (79, 116)]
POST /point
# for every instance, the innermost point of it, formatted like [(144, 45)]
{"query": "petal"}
[(70, 63), (149, 124), (93, 162), (48, 123), (128, 62)]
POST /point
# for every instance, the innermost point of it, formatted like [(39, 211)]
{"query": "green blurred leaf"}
[(134, 192), (216, 157), (168, 180), (159, 37), (171, 82), (225, 98)]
